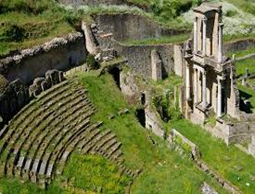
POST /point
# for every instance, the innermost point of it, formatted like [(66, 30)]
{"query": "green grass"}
[(163, 170), (97, 173), (158, 41), (245, 5), (236, 37), (29, 23), (242, 65), (248, 91), (242, 53), (224, 159)]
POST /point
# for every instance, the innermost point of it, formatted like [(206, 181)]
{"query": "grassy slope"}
[(24, 26), (164, 171), (225, 160)]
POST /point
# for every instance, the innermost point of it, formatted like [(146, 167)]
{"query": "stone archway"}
[(115, 72)]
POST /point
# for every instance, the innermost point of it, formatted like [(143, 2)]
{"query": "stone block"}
[(156, 66), (53, 76)]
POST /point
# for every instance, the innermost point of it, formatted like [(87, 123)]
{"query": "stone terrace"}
[(39, 139)]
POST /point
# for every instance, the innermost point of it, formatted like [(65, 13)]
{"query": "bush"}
[(91, 62)]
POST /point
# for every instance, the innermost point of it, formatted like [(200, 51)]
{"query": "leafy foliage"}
[(91, 62)]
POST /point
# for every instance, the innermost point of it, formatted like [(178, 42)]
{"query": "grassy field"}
[(242, 53), (158, 41), (28, 23), (229, 161), (164, 171), (242, 65)]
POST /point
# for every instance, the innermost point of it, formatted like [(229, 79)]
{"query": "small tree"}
[(91, 62)]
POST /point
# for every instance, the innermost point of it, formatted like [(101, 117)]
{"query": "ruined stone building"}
[(210, 87)]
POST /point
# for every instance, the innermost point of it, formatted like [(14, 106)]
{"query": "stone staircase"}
[(38, 141)]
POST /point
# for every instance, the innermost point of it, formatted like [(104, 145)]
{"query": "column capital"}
[(219, 78)]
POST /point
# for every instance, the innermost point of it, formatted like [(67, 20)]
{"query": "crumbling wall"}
[(178, 60), (12, 99), (131, 27), (153, 122), (139, 57), (238, 45), (40, 84), (60, 53)]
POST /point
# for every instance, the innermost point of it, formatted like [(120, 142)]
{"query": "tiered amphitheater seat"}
[(39, 139), (31, 143)]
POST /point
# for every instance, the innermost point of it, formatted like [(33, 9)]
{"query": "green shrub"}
[(91, 62), (231, 13)]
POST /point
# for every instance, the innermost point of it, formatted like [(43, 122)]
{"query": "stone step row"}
[(45, 97), (36, 120), (30, 142), (12, 130)]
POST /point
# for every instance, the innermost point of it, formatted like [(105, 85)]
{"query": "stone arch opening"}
[(140, 114), (115, 72)]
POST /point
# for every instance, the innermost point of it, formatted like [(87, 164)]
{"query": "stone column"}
[(220, 49), (219, 98), (187, 81), (204, 35), (195, 86), (195, 36), (204, 103)]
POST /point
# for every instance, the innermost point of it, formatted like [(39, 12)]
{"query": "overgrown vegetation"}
[(233, 164), (242, 65), (162, 99), (28, 23), (155, 41), (97, 174), (92, 63), (163, 170)]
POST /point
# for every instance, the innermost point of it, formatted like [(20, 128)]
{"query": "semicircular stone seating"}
[(40, 138)]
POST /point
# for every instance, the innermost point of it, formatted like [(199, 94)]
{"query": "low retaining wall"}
[(178, 141), (60, 53), (238, 45)]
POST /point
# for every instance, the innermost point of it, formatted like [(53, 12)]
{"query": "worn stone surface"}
[(52, 77), (153, 122), (178, 64), (59, 53), (139, 57), (132, 27), (12, 99), (177, 139), (91, 42), (206, 189), (156, 66)]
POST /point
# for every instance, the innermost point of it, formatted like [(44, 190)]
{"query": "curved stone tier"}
[(39, 139)]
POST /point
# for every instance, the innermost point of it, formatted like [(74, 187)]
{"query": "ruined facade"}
[(210, 87)]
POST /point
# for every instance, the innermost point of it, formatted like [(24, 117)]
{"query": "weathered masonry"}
[(209, 76)]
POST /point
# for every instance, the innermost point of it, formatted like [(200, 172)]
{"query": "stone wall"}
[(12, 99), (178, 141), (178, 60), (60, 53), (131, 27), (153, 122), (238, 45), (139, 57), (92, 2)]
